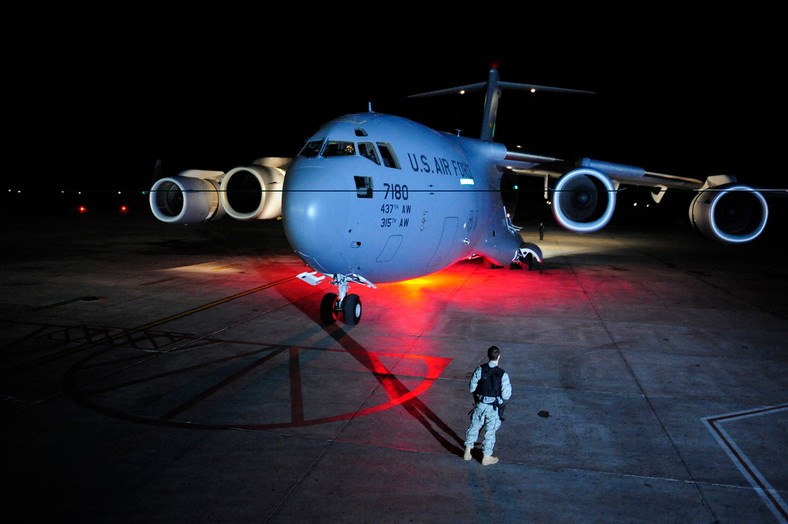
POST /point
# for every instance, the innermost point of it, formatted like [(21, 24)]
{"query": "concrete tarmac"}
[(158, 373)]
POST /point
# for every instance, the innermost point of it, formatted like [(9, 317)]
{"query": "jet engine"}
[(584, 200), (252, 192), (190, 197), (193, 196), (729, 213)]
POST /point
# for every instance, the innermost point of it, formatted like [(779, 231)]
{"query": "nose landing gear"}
[(333, 305)]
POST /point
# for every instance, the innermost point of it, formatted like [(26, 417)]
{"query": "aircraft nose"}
[(314, 211)]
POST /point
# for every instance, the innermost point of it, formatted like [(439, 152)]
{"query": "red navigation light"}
[(82, 210), (123, 210)]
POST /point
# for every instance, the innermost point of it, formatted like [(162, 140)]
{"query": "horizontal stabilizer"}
[(460, 90), (493, 88)]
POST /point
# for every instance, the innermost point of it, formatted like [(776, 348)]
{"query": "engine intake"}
[(584, 200), (245, 193), (191, 197), (252, 192), (730, 213)]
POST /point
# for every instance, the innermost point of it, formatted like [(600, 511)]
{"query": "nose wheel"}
[(332, 307), (344, 304), (351, 309), (329, 311)]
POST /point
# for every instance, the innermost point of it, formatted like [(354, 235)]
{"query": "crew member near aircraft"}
[(491, 388)]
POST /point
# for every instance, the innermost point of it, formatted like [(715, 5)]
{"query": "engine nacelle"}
[(252, 192), (245, 193), (584, 200), (191, 197), (730, 213)]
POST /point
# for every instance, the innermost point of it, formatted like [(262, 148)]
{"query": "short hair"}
[(493, 352)]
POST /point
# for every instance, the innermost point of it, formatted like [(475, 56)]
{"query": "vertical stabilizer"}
[(490, 106)]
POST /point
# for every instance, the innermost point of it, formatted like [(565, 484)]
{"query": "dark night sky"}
[(93, 104)]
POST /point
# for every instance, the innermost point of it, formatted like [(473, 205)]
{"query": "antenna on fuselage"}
[(369, 106)]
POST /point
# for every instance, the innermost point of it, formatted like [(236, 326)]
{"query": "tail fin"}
[(158, 171), (493, 87)]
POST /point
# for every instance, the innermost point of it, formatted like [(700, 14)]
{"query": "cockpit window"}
[(339, 148), (367, 150), (328, 148), (389, 159), (311, 149)]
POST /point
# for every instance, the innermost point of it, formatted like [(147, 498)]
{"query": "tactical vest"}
[(490, 383)]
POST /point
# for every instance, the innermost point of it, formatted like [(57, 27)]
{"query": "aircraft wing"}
[(543, 166), (584, 195)]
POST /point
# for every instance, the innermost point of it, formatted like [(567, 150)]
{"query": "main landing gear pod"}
[(528, 253)]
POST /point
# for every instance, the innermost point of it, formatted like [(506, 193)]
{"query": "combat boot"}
[(467, 455), (489, 460)]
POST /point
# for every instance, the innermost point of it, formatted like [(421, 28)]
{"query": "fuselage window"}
[(311, 149), (387, 153), (339, 148), (367, 150)]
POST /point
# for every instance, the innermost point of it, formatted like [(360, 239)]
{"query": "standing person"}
[(541, 230), (491, 387)]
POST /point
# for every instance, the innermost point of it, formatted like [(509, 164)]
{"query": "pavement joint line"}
[(126, 332)]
